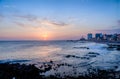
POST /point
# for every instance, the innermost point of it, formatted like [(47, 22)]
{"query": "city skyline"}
[(57, 19), (101, 36)]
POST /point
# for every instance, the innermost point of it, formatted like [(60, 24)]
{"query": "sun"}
[(45, 36)]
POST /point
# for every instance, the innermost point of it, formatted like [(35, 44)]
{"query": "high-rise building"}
[(118, 37), (98, 36), (89, 36)]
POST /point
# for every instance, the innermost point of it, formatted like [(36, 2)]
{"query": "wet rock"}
[(114, 46), (91, 54), (51, 61), (81, 47), (94, 53), (118, 48), (22, 71), (8, 71), (85, 58), (72, 56)]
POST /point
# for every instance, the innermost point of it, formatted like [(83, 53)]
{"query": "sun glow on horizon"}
[(45, 36)]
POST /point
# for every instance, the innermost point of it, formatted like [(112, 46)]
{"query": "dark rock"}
[(85, 58), (18, 71), (73, 56), (118, 48), (8, 71), (93, 53), (81, 47)]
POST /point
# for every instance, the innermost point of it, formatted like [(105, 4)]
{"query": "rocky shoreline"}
[(22, 71)]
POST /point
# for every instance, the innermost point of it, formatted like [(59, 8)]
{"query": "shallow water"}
[(77, 57)]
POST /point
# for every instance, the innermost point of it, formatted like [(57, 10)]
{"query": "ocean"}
[(77, 56)]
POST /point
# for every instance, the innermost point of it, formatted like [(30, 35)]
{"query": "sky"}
[(57, 19)]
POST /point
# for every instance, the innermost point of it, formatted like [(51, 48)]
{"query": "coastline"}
[(103, 41)]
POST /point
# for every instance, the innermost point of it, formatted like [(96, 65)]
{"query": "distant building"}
[(109, 37), (118, 37), (98, 36), (114, 37), (89, 36), (104, 36)]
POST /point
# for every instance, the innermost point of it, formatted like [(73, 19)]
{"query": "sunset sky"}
[(57, 19)]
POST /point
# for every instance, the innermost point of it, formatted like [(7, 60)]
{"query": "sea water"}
[(78, 55)]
